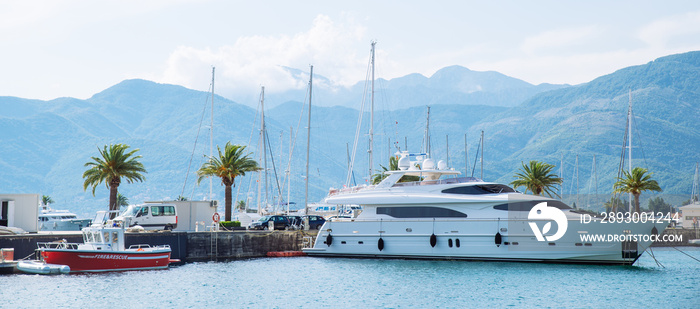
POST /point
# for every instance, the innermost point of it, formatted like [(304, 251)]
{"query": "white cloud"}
[(254, 61), (559, 38), (660, 32)]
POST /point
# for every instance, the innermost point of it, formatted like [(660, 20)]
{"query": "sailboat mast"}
[(263, 138), (308, 144), (289, 167), (371, 121), (482, 155), (696, 186), (427, 132), (211, 133), (629, 134)]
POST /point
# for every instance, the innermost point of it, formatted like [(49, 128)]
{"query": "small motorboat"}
[(41, 268), (103, 249)]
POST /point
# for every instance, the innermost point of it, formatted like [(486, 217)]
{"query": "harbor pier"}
[(186, 246)]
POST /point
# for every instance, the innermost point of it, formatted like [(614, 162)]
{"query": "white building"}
[(690, 213), (20, 210)]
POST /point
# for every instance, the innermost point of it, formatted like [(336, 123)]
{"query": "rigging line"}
[(639, 138), (201, 120), (384, 102), (621, 165), (478, 147), (195, 187), (359, 124), (250, 138), (294, 140), (274, 168)]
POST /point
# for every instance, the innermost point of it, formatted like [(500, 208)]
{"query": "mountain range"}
[(45, 144)]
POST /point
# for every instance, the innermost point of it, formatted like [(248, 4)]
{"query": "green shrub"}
[(230, 224)]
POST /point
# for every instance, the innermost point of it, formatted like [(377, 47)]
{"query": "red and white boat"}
[(104, 250)]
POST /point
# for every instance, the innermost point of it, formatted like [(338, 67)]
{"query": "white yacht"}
[(467, 218), (61, 220)]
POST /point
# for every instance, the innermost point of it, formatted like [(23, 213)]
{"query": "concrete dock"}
[(186, 246)]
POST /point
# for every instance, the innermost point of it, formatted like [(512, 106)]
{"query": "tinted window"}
[(156, 211), (527, 206), (480, 189), (169, 210), (420, 212)]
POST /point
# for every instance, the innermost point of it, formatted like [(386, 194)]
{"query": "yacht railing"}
[(437, 182), (356, 189)]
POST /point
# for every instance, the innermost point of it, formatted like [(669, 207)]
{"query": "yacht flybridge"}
[(467, 218)]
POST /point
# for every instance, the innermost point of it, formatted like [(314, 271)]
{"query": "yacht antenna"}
[(308, 144)]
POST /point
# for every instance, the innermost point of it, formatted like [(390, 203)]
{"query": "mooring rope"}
[(692, 257)]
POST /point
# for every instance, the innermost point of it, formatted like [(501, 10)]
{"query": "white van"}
[(150, 216)]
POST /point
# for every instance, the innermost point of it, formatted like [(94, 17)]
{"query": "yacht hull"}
[(102, 261), (478, 240)]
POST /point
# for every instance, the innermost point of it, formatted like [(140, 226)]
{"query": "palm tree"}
[(393, 166), (181, 198), (240, 205), (46, 200), (537, 177), (114, 164), (635, 183), (228, 165), (122, 201)]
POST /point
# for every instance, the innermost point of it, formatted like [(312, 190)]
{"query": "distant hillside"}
[(589, 119), (448, 86), (46, 143)]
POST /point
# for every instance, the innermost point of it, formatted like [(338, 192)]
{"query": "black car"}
[(315, 222), (280, 223)]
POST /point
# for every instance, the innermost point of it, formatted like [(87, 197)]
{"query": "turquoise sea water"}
[(365, 283)]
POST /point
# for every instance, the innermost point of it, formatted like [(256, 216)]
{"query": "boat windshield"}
[(131, 211)]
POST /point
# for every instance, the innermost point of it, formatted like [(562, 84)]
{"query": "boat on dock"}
[(468, 218), (103, 249), (7, 262), (61, 220)]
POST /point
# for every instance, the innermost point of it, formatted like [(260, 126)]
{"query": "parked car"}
[(315, 222), (280, 223)]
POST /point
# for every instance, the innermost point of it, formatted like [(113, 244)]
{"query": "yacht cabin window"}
[(527, 206), (420, 212), (480, 189)]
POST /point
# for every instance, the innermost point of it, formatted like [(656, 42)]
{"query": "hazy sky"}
[(51, 49)]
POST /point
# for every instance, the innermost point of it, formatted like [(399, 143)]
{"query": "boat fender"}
[(654, 231), (498, 239), (433, 240), (380, 244), (329, 240)]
